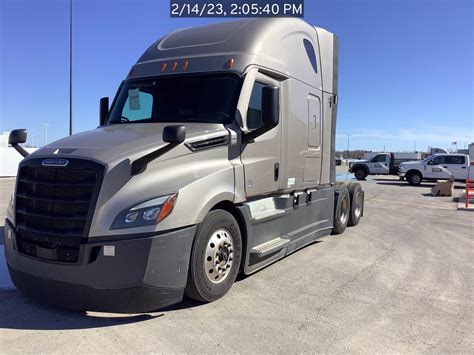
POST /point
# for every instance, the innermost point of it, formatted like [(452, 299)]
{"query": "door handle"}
[(445, 167), (276, 171), (463, 167)]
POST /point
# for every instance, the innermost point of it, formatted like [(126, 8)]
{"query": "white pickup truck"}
[(436, 167)]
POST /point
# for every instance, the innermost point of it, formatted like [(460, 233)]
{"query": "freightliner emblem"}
[(55, 162)]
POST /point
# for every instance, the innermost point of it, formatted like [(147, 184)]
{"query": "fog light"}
[(151, 214), (131, 217)]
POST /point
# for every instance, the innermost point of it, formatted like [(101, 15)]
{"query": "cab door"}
[(380, 164), (262, 158), (456, 164)]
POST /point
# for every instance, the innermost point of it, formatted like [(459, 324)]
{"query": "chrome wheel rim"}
[(343, 212), (219, 256), (358, 204)]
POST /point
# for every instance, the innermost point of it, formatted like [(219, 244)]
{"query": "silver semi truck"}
[(215, 157)]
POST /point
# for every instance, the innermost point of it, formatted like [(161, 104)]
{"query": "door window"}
[(455, 160), (379, 159), (437, 160), (254, 112)]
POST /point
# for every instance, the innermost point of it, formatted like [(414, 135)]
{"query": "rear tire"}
[(357, 203), (360, 173), (215, 257), (342, 211), (414, 178)]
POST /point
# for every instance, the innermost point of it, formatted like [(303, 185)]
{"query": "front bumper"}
[(401, 174), (143, 274)]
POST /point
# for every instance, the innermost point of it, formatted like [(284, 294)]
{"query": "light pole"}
[(46, 132), (348, 137)]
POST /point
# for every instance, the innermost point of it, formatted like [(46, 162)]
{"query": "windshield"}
[(198, 98)]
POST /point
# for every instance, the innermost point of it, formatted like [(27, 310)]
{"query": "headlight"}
[(402, 168), (146, 213)]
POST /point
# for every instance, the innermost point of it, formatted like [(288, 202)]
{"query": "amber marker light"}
[(167, 208), (230, 63), (173, 67), (186, 64), (163, 67)]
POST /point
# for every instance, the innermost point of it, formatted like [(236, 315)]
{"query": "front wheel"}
[(414, 178), (215, 258), (360, 173)]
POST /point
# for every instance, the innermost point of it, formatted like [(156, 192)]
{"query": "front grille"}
[(54, 206)]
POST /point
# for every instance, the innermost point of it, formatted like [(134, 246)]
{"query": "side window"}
[(455, 160), (437, 161), (308, 46), (138, 106), (254, 113), (378, 159)]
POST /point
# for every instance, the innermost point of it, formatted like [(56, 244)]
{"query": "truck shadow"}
[(19, 312)]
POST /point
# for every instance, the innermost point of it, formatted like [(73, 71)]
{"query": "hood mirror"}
[(16, 137)]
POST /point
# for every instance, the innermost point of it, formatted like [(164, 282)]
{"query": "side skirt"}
[(279, 225)]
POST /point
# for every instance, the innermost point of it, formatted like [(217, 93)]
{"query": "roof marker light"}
[(230, 63), (186, 64), (173, 67), (163, 67)]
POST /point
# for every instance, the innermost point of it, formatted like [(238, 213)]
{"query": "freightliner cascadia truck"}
[(215, 157)]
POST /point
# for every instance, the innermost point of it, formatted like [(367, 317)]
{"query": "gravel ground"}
[(400, 282)]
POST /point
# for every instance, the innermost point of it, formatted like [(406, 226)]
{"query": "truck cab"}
[(436, 167), (216, 156)]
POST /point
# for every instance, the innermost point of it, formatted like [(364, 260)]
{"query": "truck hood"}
[(414, 162), (359, 161), (116, 142)]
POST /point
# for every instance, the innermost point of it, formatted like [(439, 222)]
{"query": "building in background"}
[(469, 151)]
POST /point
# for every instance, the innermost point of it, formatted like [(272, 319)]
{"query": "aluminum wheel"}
[(344, 211), (358, 203), (219, 255)]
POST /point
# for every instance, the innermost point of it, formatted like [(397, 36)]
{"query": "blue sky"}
[(406, 67)]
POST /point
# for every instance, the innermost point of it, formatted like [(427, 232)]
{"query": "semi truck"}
[(216, 156), (379, 164)]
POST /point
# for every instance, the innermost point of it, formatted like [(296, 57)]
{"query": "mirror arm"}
[(140, 165), (20, 150), (249, 137)]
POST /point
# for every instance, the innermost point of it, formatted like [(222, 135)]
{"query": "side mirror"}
[(103, 110), (16, 137), (270, 106), (270, 112), (174, 134)]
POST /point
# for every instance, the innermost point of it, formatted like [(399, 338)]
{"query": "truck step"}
[(270, 246)]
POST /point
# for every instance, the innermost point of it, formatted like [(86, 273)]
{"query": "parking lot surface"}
[(402, 281)]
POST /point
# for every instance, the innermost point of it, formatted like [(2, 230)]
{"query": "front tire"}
[(360, 173), (215, 258), (414, 178), (342, 211)]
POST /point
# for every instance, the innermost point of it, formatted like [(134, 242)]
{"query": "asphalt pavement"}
[(400, 282)]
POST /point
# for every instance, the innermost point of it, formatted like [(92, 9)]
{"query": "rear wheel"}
[(342, 211), (414, 177), (360, 173), (357, 203), (215, 258)]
